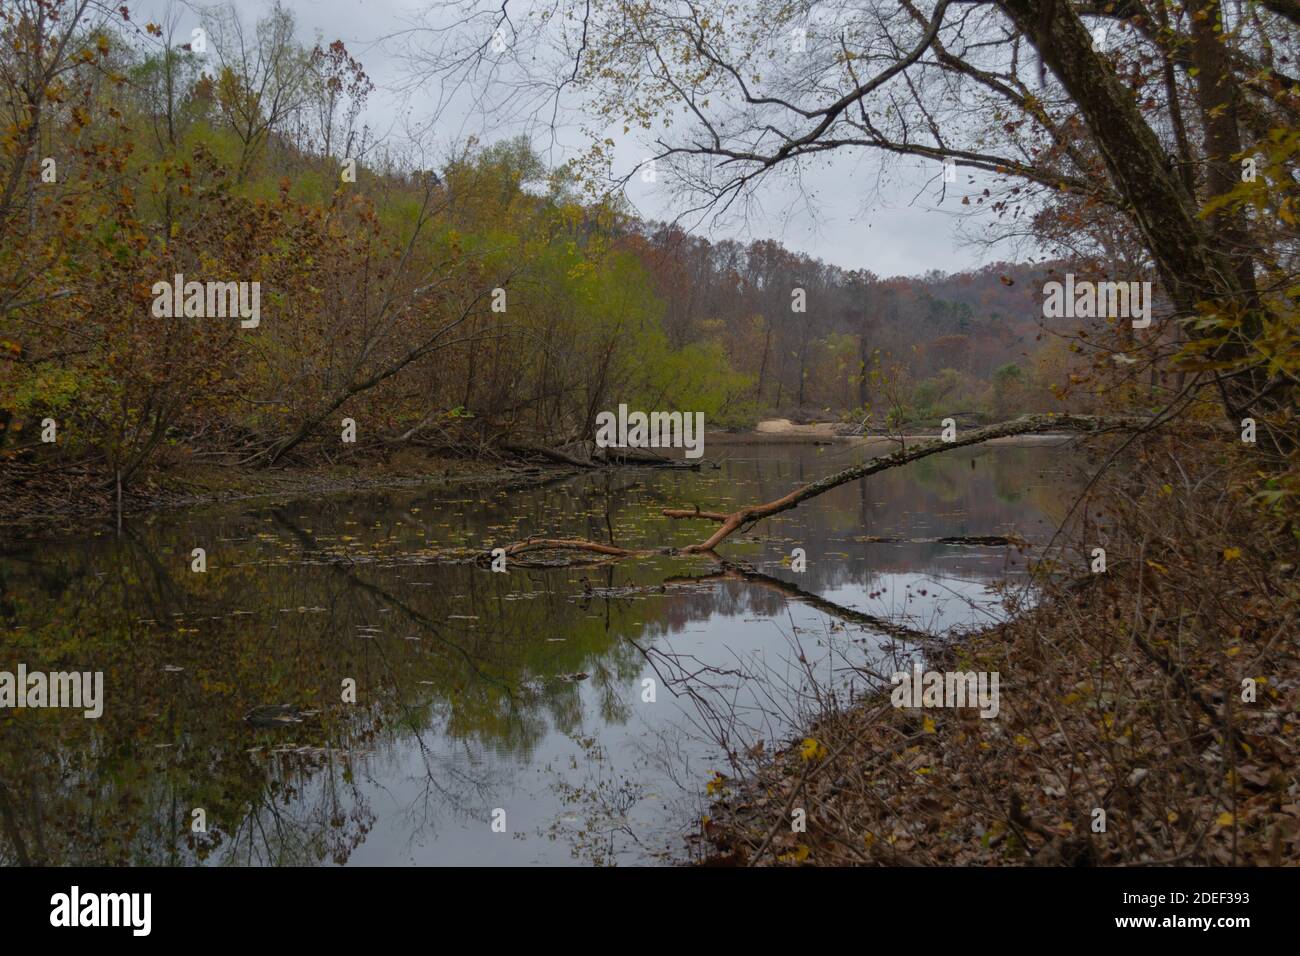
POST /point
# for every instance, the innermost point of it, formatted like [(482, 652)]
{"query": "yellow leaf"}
[(812, 750), (1231, 554), (1225, 819), (927, 725)]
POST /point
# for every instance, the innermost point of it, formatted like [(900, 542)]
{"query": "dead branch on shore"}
[(736, 520)]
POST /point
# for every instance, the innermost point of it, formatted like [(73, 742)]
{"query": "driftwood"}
[(733, 521)]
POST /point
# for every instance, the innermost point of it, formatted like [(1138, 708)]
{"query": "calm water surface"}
[(470, 687)]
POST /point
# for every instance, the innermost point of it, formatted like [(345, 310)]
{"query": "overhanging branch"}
[(732, 521)]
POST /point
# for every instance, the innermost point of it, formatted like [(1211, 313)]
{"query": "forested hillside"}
[(462, 307)]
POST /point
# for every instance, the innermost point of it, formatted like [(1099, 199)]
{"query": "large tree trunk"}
[(1192, 267), (762, 365)]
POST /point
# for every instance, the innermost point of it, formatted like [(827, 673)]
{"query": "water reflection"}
[(523, 692)]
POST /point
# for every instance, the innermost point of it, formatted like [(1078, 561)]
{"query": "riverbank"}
[(60, 494), (1147, 716), (48, 504), (63, 493)]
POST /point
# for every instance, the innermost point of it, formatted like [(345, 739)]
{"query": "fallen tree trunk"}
[(733, 521), (526, 449), (627, 456)]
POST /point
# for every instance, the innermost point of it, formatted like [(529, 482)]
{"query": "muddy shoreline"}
[(208, 486)]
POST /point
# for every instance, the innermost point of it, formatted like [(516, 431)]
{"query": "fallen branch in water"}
[(736, 520), (579, 544), (732, 571)]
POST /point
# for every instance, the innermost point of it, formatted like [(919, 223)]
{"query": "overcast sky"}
[(851, 212)]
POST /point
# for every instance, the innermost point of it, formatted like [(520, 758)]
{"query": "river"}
[(569, 715)]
